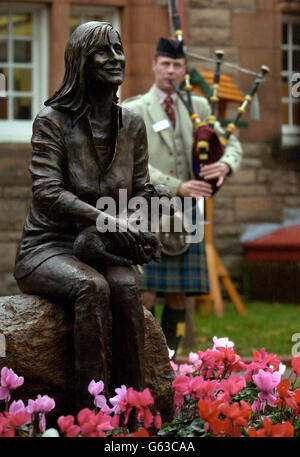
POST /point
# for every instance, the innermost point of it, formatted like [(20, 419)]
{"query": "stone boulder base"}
[(39, 347)]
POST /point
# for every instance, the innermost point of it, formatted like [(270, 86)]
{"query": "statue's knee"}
[(97, 287), (124, 283)]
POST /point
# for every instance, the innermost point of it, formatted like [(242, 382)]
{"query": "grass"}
[(268, 325)]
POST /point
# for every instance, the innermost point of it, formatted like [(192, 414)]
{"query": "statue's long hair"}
[(85, 40)]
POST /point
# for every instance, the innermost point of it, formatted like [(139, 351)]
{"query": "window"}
[(24, 64), (290, 66)]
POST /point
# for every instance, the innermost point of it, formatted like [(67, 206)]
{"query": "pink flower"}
[(100, 402), (296, 366), (185, 368), (17, 414), (157, 421), (233, 384), (258, 406), (16, 407), (194, 360), (221, 343), (95, 388), (174, 366), (9, 381), (266, 382), (32, 407), (42, 405), (45, 403), (193, 357), (206, 389), (115, 420), (120, 397), (181, 384), (67, 427), (195, 386), (86, 420), (181, 388)]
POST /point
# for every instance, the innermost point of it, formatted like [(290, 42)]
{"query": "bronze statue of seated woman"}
[(86, 146)]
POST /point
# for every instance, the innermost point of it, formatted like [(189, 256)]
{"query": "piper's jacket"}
[(160, 144)]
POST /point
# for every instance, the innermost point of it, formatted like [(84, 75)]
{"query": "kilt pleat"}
[(186, 272)]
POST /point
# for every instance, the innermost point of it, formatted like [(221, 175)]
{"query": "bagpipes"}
[(207, 146)]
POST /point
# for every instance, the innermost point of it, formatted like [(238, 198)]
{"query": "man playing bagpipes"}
[(171, 142)]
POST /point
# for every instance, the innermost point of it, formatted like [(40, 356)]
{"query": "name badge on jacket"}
[(161, 125)]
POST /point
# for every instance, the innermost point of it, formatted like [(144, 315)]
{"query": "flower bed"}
[(211, 399)]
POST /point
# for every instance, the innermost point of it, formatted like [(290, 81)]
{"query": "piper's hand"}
[(215, 170), (195, 189)]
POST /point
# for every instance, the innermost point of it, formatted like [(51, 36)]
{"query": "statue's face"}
[(107, 63)]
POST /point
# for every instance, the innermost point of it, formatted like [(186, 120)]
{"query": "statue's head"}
[(94, 53)]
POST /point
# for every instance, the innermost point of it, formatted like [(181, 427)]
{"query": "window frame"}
[(14, 130), (290, 132)]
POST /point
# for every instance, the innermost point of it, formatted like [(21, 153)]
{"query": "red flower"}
[(261, 360), (297, 398), (208, 411), (231, 428), (278, 430), (230, 360), (92, 425), (266, 359), (67, 427), (5, 429), (18, 419), (296, 365), (181, 388), (286, 397), (297, 395), (236, 415), (141, 401), (143, 432)]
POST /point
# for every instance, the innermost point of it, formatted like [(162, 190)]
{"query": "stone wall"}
[(262, 191), (15, 194)]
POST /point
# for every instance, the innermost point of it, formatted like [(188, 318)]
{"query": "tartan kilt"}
[(186, 272)]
